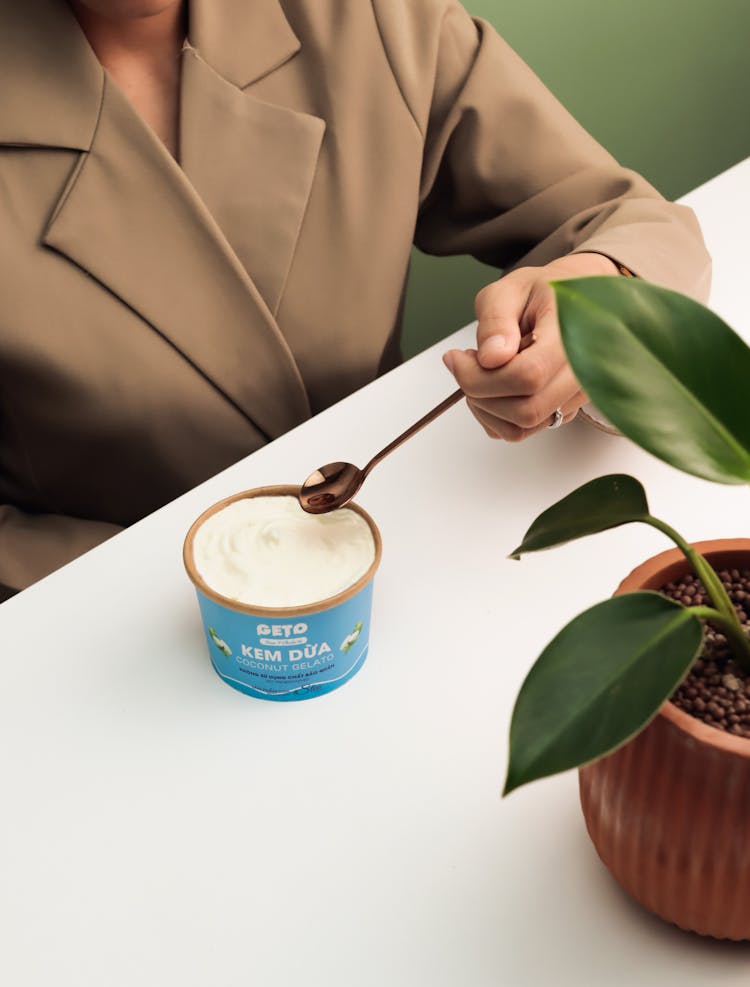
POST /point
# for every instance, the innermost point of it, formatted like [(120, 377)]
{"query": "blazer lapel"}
[(131, 219), (200, 252), (253, 166), (50, 81)]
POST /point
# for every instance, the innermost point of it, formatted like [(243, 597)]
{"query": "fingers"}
[(533, 410), (517, 416), (497, 428), (528, 373), (514, 391)]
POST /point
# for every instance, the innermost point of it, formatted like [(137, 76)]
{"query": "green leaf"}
[(599, 682), (666, 371), (598, 505)]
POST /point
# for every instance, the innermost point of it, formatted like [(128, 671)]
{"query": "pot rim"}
[(647, 573), (278, 490)]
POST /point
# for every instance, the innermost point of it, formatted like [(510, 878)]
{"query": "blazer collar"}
[(49, 76), (193, 248), (56, 83), (243, 40)]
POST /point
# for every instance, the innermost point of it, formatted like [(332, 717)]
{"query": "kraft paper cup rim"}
[(279, 490)]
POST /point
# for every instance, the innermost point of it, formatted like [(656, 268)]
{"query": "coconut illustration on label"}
[(221, 645), (351, 638)]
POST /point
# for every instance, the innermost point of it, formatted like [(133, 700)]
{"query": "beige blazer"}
[(158, 321)]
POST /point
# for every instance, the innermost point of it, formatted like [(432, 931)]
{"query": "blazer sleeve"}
[(508, 175), (33, 545)]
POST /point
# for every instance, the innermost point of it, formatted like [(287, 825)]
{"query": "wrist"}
[(584, 265)]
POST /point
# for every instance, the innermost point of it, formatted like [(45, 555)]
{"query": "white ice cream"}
[(268, 552)]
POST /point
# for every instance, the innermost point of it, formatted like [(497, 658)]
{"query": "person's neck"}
[(153, 37)]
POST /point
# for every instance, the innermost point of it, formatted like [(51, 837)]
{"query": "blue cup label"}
[(287, 658)]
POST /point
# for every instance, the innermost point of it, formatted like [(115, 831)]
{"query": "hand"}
[(512, 394)]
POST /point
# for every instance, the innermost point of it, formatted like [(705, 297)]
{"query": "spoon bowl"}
[(330, 487)]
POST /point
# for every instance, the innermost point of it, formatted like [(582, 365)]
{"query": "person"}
[(207, 209)]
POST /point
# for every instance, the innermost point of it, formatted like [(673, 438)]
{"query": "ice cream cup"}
[(285, 653)]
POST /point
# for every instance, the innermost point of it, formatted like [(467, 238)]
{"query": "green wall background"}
[(663, 84)]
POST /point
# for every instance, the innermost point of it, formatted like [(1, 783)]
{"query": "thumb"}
[(499, 348), (498, 309)]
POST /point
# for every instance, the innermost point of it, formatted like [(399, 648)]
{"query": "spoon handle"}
[(526, 340), (413, 429)]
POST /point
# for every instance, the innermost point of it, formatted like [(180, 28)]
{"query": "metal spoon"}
[(334, 484)]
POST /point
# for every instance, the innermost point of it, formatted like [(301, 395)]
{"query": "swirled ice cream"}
[(267, 552)]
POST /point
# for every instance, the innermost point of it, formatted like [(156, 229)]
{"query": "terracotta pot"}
[(669, 813)]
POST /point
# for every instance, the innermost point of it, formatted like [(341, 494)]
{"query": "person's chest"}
[(172, 317)]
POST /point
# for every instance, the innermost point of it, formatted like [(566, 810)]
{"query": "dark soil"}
[(716, 690)]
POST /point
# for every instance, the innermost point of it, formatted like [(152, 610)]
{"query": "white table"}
[(159, 828)]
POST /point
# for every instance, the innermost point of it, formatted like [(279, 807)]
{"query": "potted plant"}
[(648, 693)]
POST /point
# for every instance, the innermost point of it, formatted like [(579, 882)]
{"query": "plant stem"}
[(725, 615), (714, 586), (735, 635)]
